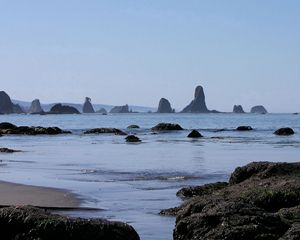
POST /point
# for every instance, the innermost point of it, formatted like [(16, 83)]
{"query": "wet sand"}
[(18, 194)]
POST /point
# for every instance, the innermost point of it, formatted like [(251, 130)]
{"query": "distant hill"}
[(26, 105)]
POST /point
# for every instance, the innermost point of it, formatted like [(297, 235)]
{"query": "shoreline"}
[(15, 194)]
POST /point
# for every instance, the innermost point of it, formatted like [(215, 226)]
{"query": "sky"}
[(116, 52)]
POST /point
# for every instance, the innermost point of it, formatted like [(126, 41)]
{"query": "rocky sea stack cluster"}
[(261, 201)]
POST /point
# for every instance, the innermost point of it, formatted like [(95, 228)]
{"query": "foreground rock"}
[(238, 109), (115, 131), (244, 128), (259, 109), (29, 223), (63, 109), (167, 127), (35, 107), (120, 109), (197, 105), (87, 106), (132, 139), (284, 132), (261, 201), (8, 128), (164, 106), (194, 134)]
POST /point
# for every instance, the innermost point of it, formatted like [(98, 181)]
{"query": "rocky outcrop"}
[(132, 139), (29, 223), (194, 134), (259, 109), (8, 128), (63, 109), (198, 105), (167, 127), (120, 109), (284, 131), (133, 126), (102, 111), (35, 107), (261, 201), (238, 109), (6, 105), (115, 131), (87, 106), (164, 106), (244, 128)]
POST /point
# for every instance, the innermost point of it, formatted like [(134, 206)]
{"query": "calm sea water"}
[(133, 182)]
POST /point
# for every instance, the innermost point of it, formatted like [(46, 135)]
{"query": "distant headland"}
[(197, 105)]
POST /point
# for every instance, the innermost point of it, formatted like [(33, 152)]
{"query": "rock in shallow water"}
[(132, 139), (133, 126), (262, 201), (194, 134), (105, 130), (244, 128), (284, 132), (167, 127), (28, 223), (8, 150)]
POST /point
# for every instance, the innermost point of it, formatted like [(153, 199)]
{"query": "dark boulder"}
[(244, 128), (63, 109), (105, 130), (167, 127), (197, 105), (194, 134), (120, 109), (132, 139), (238, 109), (87, 106), (8, 150), (35, 107), (284, 132), (262, 201), (259, 109), (164, 106), (29, 223), (6, 105), (7, 125), (133, 126)]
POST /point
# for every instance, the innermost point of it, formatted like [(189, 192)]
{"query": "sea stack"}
[(197, 105), (259, 109), (63, 109), (35, 107), (87, 106), (238, 109), (6, 105), (120, 109), (164, 106)]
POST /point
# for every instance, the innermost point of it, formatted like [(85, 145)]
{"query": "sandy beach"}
[(18, 194)]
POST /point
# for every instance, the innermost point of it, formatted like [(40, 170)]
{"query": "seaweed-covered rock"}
[(29, 223), (115, 131), (262, 201), (194, 134), (244, 128), (167, 127), (132, 139), (284, 131)]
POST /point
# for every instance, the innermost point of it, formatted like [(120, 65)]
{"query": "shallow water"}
[(133, 182)]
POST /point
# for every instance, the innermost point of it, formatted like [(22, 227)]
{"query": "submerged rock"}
[(244, 128), (7, 150), (164, 106), (133, 126), (8, 128), (238, 109), (194, 134), (284, 132), (167, 127), (29, 223), (87, 106), (63, 109), (120, 109), (259, 109), (197, 105), (35, 107), (115, 131), (6, 105), (132, 138), (262, 201)]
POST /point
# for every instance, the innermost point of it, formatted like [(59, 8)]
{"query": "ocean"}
[(133, 182)]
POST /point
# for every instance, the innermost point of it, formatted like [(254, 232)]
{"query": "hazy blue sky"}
[(135, 52)]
